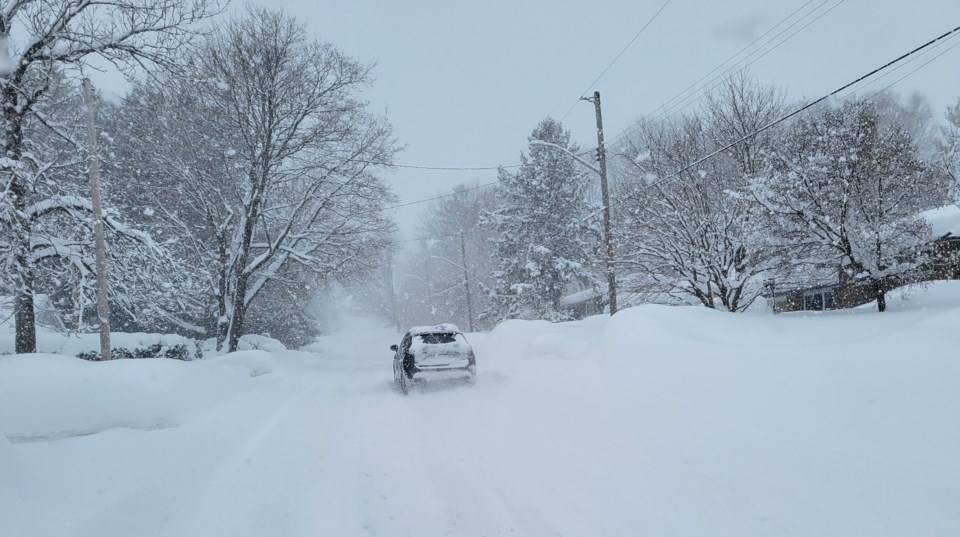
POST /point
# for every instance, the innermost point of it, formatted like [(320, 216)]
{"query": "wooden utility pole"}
[(388, 286), (103, 308), (605, 194), (426, 274), (466, 281)]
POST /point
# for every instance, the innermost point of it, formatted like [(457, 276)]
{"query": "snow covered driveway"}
[(661, 421)]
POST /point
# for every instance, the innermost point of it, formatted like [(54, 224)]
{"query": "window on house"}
[(828, 300), (819, 300)]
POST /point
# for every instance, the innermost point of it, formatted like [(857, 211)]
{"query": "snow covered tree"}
[(59, 219), (442, 224), (263, 158), (949, 151), (546, 239), (846, 187), (378, 293), (914, 114), (697, 234), (38, 38)]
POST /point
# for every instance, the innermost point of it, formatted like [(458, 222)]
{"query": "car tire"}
[(403, 382)]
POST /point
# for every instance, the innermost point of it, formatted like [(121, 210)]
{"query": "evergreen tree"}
[(546, 236)]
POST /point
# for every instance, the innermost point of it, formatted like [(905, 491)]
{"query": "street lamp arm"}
[(574, 156)]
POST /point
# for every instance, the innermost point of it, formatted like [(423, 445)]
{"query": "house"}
[(943, 253)]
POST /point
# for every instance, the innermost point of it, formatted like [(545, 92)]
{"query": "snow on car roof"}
[(445, 327)]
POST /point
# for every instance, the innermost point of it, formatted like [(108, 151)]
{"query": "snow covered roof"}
[(579, 296), (944, 220), (444, 327)]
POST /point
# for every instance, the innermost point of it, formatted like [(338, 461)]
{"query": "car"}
[(429, 353)]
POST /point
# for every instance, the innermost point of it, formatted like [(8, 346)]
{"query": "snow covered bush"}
[(157, 350)]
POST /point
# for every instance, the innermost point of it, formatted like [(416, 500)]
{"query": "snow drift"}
[(658, 421)]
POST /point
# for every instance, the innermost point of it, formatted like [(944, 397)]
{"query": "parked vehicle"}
[(429, 353)]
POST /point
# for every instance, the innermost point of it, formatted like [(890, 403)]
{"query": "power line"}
[(423, 239), (711, 155), (707, 87), (800, 110), (457, 193), (484, 185), (438, 168), (895, 69), (617, 57), (489, 168), (739, 52), (737, 68), (608, 67), (921, 66)]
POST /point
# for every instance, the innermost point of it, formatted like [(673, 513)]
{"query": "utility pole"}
[(466, 281), (389, 287), (605, 194), (103, 308), (433, 308)]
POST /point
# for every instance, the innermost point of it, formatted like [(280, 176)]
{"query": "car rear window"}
[(433, 339)]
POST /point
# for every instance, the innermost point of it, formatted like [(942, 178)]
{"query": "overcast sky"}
[(464, 83)]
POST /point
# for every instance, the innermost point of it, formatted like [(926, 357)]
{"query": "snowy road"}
[(344, 454), (659, 422)]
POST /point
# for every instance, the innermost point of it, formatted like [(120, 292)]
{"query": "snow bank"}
[(248, 342), (539, 339), (256, 362), (11, 472), (658, 421), (699, 422), (49, 396)]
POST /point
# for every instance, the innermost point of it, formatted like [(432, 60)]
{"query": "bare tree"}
[(697, 234), (37, 39), (269, 159), (443, 223)]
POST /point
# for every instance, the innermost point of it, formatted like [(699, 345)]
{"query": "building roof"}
[(580, 296), (945, 221)]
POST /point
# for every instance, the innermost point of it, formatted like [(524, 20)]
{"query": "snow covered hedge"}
[(157, 350), (123, 345)]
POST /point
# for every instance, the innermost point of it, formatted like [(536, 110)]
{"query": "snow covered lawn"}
[(661, 421)]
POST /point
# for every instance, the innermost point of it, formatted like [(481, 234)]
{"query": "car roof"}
[(445, 328)]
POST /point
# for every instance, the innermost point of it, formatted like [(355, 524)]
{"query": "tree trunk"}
[(239, 295), (223, 319), (24, 318), (881, 294), (239, 314)]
